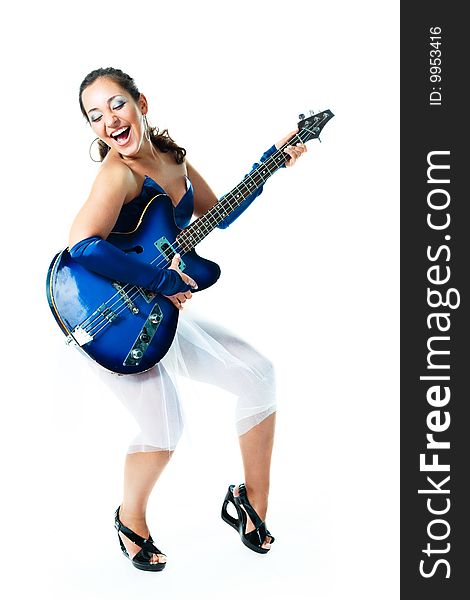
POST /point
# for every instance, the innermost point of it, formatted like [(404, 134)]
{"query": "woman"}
[(134, 158)]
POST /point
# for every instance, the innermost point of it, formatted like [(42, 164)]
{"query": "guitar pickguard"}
[(136, 353)]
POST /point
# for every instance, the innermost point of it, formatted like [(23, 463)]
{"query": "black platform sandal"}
[(254, 539), (142, 559)]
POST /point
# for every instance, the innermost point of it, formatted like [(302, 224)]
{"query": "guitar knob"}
[(137, 353), (301, 116), (145, 337)]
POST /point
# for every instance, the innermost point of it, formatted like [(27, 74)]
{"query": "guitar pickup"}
[(168, 251), (125, 297)]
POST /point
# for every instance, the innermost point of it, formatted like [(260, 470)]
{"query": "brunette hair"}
[(160, 139)]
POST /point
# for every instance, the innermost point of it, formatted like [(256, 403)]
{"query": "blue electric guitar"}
[(128, 329)]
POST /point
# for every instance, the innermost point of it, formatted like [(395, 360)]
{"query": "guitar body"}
[(131, 329)]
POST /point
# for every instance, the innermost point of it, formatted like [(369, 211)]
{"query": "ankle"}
[(130, 515), (257, 494), (258, 500)]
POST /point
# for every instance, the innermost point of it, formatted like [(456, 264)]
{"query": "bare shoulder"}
[(117, 179), (113, 185)]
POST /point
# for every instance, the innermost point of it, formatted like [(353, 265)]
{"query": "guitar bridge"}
[(78, 337)]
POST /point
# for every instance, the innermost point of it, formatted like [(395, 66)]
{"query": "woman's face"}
[(114, 115)]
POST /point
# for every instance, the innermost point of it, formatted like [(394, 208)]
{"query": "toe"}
[(158, 558), (267, 542)]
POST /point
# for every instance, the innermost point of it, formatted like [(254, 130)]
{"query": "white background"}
[(310, 277)]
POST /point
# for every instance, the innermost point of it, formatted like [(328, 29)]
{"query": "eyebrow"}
[(108, 101)]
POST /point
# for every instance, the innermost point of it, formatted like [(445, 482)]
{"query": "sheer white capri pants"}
[(205, 352)]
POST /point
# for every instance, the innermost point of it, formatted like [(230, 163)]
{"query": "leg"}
[(256, 447), (153, 401), (142, 470), (243, 371)]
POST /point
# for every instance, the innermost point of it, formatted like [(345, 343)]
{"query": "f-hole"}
[(136, 249)]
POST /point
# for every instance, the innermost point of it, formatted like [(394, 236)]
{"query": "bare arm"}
[(101, 210), (204, 197)]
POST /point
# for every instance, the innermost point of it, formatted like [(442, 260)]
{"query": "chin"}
[(128, 152)]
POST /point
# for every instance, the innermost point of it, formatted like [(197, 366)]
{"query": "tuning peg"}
[(311, 112), (301, 116)]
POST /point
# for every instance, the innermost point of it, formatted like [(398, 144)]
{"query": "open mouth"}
[(121, 135)]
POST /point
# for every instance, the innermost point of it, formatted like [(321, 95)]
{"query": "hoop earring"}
[(89, 151), (146, 128)]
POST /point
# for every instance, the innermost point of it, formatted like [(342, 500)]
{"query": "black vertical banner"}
[(435, 315)]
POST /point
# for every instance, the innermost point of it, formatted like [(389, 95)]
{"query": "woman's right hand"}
[(180, 298)]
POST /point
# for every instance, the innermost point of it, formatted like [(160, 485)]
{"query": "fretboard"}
[(201, 227)]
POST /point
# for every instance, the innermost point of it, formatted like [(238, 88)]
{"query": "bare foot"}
[(138, 525), (260, 507)]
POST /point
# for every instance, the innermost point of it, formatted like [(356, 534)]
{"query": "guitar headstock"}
[(310, 127)]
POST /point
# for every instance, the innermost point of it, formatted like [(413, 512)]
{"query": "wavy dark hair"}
[(160, 139)]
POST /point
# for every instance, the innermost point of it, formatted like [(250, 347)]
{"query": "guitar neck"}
[(201, 227)]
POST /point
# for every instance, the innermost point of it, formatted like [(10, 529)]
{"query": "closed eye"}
[(116, 107)]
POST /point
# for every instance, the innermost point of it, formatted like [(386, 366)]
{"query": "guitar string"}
[(162, 260), (138, 290)]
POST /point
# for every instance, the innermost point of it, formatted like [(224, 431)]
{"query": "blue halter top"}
[(131, 212)]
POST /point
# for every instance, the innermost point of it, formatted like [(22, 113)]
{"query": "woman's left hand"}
[(293, 151)]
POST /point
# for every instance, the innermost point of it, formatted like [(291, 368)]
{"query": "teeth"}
[(115, 133)]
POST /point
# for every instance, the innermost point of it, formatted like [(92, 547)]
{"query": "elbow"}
[(73, 241), (78, 248), (76, 237)]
